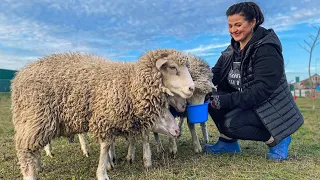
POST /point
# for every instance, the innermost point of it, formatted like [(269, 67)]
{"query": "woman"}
[(253, 100)]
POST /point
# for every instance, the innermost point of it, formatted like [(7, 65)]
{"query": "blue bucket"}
[(197, 113)]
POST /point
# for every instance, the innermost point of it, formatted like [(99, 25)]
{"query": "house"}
[(304, 88), (306, 84)]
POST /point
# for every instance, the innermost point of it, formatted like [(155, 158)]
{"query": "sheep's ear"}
[(160, 63)]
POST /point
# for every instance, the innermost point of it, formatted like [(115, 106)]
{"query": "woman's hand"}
[(215, 101)]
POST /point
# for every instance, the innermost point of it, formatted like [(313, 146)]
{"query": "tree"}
[(311, 46)]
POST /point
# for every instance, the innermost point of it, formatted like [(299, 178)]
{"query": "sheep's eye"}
[(172, 67)]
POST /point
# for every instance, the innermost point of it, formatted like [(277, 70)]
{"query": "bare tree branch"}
[(307, 43), (312, 37), (303, 47)]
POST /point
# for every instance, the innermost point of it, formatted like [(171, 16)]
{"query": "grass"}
[(69, 163)]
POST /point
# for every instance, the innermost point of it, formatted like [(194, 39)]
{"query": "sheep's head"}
[(173, 65), (158, 73), (166, 124), (178, 103), (202, 76)]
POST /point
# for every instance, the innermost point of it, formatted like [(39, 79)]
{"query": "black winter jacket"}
[(264, 86)]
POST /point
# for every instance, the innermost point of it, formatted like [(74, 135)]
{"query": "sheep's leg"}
[(173, 147), (83, 139), (159, 145), (195, 140), (103, 159), (180, 126), (28, 163), (146, 150), (38, 161), (71, 139), (110, 164), (131, 149), (48, 149), (112, 153), (204, 130)]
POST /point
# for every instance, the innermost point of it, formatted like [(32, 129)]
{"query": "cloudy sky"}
[(125, 29)]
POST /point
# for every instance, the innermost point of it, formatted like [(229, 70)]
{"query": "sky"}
[(125, 29)]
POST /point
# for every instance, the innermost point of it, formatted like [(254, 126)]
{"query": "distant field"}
[(69, 163)]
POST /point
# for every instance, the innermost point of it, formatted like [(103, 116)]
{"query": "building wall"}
[(5, 77), (306, 84)]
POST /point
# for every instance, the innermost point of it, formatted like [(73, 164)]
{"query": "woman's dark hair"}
[(249, 10)]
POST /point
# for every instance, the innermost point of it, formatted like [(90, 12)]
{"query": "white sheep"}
[(176, 102), (67, 94), (202, 76)]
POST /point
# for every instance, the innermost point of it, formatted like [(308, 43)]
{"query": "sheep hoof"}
[(39, 169), (147, 168), (29, 178), (110, 167), (147, 165), (198, 150), (86, 154), (103, 177), (51, 155), (130, 161), (113, 160), (71, 139), (173, 155)]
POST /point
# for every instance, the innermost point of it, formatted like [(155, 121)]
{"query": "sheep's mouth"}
[(182, 93), (187, 95), (174, 132)]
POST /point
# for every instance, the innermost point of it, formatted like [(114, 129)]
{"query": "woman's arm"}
[(268, 68)]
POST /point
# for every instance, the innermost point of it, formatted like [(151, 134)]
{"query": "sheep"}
[(202, 76), (71, 93), (176, 102)]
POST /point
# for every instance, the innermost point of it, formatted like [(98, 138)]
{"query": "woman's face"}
[(240, 29)]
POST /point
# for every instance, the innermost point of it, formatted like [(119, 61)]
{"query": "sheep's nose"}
[(177, 132), (191, 89)]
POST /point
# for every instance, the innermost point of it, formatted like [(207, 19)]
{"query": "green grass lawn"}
[(69, 163)]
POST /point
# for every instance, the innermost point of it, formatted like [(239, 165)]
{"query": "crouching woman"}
[(253, 100)]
